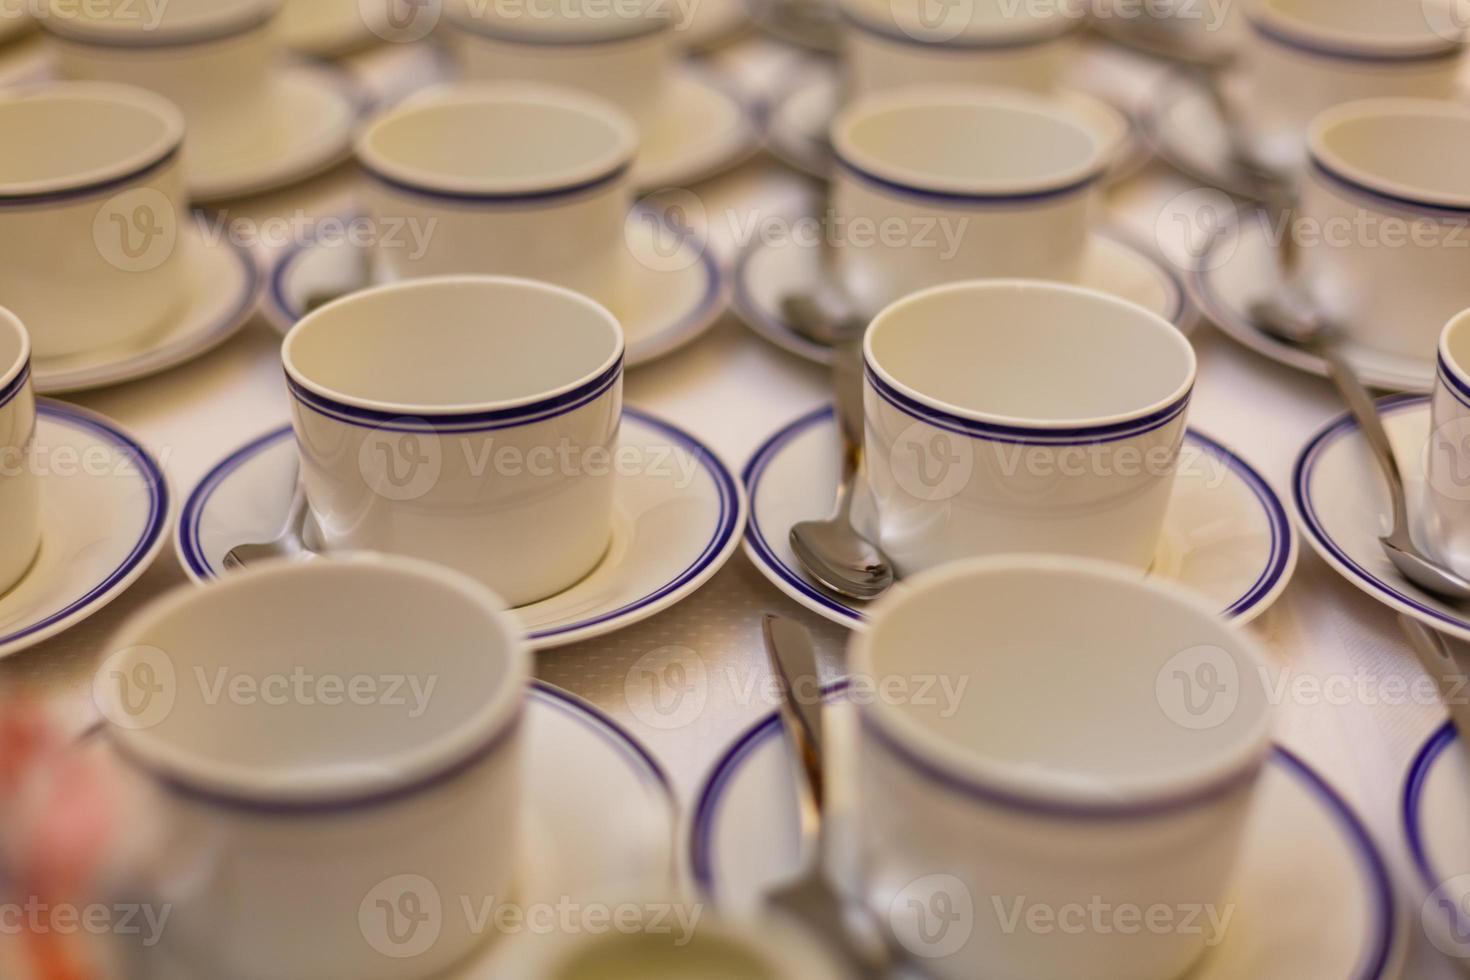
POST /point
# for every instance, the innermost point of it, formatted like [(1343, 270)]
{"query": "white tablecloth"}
[(733, 389)]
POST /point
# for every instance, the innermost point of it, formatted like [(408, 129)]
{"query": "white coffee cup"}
[(1386, 203), (509, 179), (1447, 455), (1098, 751), (1302, 57), (1021, 416), (334, 743), (20, 504), (612, 51), (675, 941), (889, 44), (214, 59), (102, 209), (935, 185), (467, 420)]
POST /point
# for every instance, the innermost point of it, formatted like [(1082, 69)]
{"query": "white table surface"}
[(733, 389)]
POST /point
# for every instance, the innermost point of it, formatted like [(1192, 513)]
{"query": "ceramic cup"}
[(1386, 203), (934, 185), (212, 58), (617, 53), (1014, 416), (508, 179), (1076, 809), (466, 420), (1447, 455), (1302, 57), (103, 207), (686, 942), (336, 746), (20, 506), (889, 44)]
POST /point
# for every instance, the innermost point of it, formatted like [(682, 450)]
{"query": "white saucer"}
[(1342, 505), (104, 506), (1183, 128), (767, 272), (1240, 267), (1226, 535), (599, 816), (796, 122), (704, 130), (668, 538), (1436, 796), (224, 287), (1313, 896), (332, 28), (671, 299), (319, 107)]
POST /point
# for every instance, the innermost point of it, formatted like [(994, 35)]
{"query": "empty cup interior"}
[(960, 141), (456, 344), (1076, 681), (1361, 25), (74, 135), (1029, 352), (15, 347), (494, 140), (1454, 346), (319, 680), (1409, 148)]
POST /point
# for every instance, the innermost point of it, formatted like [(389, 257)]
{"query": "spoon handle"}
[(1365, 412), (847, 395)]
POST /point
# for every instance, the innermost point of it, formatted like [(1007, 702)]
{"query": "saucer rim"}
[(1332, 431), (1377, 964), (154, 360), (714, 301), (150, 541), (1411, 811), (1184, 314), (639, 755), (1267, 588), (725, 539), (674, 175), (1199, 282), (325, 76)]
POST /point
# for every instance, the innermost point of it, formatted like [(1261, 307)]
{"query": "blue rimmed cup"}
[(1447, 454), (91, 250), (938, 184), (1055, 763), (467, 420), (332, 752), (214, 59), (890, 44), (1384, 223), (20, 507), (1302, 57), (1011, 416), (624, 53), (505, 179)]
